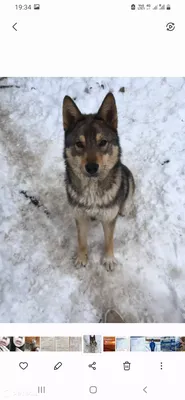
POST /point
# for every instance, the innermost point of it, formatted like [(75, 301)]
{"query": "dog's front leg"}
[(82, 231), (108, 260)]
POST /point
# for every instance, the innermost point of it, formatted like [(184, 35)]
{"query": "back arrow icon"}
[(14, 26), (145, 389)]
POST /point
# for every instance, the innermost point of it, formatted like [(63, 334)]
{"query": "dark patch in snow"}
[(86, 90), (9, 86), (36, 202), (165, 162), (122, 89)]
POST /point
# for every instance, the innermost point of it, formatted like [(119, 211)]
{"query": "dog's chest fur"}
[(94, 200)]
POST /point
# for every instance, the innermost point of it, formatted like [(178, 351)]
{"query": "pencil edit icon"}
[(57, 366)]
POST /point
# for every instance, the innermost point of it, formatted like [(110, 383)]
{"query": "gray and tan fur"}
[(98, 185)]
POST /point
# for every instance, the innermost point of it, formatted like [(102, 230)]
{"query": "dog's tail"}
[(127, 207)]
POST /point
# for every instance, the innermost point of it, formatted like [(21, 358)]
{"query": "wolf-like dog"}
[(99, 187)]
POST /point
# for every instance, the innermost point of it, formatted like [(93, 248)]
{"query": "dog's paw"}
[(81, 261), (109, 263)]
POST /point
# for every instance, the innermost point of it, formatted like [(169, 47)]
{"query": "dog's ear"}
[(71, 113), (108, 111)]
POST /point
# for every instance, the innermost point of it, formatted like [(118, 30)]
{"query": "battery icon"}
[(36, 6)]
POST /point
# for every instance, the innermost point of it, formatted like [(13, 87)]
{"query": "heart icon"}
[(23, 365)]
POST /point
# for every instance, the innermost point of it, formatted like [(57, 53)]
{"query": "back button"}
[(14, 26)]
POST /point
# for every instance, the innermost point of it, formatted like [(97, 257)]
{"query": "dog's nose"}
[(91, 168)]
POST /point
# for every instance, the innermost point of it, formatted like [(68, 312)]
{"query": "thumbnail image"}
[(32, 343), (86, 144), (169, 343), (57, 343), (92, 344), (152, 344), (17, 343), (20, 343), (180, 346), (109, 343), (137, 343), (5, 343), (142, 343), (122, 344)]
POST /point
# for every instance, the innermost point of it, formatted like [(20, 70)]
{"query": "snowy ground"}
[(38, 281)]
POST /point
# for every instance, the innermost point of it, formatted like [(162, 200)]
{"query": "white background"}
[(97, 38), (119, 330), (74, 378)]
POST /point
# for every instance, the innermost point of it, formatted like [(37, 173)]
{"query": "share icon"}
[(92, 365)]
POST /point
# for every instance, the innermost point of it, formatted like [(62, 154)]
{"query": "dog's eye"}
[(103, 143), (80, 145)]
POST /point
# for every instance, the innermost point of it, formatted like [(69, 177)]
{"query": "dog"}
[(93, 343), (99, 187), (93, 340)]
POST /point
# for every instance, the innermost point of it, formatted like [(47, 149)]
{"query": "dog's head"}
[(91, 141)]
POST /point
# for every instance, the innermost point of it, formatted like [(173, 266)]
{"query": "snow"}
[(38, 280)]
